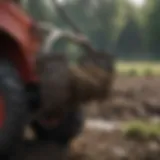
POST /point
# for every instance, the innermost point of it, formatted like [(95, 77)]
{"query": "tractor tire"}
[(68, 129), (13, 108)]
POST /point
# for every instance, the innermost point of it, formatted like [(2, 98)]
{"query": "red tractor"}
[(19, 45), (20, 86), (19, 81)]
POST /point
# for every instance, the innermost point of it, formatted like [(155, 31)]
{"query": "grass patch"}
[(141, 130), (140, 68)]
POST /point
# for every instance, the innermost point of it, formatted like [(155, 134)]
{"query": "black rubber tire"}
[(65, 132), (16, 108)]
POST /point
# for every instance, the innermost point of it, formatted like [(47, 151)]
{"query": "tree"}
[(130, 40), (97, 19), (153, 27), (100, 20)]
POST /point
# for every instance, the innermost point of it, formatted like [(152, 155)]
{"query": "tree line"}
[(128, 31)]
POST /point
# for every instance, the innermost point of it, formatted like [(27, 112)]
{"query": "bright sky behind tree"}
[(138, 2)]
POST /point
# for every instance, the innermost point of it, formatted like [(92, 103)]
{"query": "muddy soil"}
[(95, 144), (102, 145), (133, 98)]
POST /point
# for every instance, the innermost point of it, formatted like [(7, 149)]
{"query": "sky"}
[(138, 2)]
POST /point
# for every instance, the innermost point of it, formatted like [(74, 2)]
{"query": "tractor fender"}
[(11, 49), (19, 41)]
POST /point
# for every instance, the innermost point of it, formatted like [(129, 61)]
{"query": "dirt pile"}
[(90, 82), (62, 84), (54, 78)]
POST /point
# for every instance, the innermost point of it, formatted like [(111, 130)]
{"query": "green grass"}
[(141, 130), (138, 68)]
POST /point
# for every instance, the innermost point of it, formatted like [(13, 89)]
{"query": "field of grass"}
[(138, 68), (140, 129)]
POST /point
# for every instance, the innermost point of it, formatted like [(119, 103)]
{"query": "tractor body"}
[(22, 87), (48, 83), (19, 43), (20, 39)]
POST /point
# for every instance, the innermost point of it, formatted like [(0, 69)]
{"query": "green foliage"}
[(39, 9), (132, 72), (100, 20), (153, 25), (97, 19), (115, 25), (140, 68), (130, 40), (148, 72), (139, 130)]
